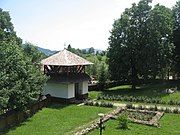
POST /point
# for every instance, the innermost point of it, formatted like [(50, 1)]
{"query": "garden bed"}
[(139, 115), (170, 124), (144, 116)]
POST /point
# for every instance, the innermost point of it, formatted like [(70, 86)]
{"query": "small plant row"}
[(145, 116), (100, 104), (143, 99), (154, 108)]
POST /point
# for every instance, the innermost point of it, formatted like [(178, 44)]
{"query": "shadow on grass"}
[(58, 106), (124, 129), (29, 119), (150, 90)]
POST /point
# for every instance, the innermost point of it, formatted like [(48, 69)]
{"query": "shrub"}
[(101, 104), (144, 99), (161, 109), (155, 108), (129, 106), (176, 111), (96, 104), (99, 97), (88, 102), (139, 107), (167, 110), (151, 108), (171, 102), (123, 121), (109, 105)]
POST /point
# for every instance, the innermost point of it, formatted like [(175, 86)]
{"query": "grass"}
[(150, 90), (58, 120), (170, 124)]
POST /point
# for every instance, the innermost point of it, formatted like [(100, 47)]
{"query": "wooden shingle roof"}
[(65, 58)]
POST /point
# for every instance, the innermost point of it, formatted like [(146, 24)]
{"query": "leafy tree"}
[(73, 50), (160, 35), (140, 43), (69, 47), (20, 81), (33, 53), (91, 50), (102, 77), (176, 36), (83, 51)]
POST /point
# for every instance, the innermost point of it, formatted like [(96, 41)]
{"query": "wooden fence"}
[(14, 117)]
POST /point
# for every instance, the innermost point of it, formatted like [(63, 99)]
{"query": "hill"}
[(47, 52)]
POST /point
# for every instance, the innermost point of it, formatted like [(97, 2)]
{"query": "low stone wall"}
[(153, 122), (113, 115)]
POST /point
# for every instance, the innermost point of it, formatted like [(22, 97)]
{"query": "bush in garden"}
[(139, 107), (110, 105), (161, 109), (176, 111), (167, 110), (90, 103), (96, 104), (136, 99), (129, 106), (123, 121), (171, 102), (144, 107), (101, 104), (99, 97), (151, 108), (155, 108)]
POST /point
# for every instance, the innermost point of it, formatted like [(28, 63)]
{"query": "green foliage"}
[(91, 50), (176, 39), (102, 77), (20, 81), (145, 116), (95, 70), (123, 121), (140, 43), (101, 103), (99, 60), (33, 53), (138, 99)]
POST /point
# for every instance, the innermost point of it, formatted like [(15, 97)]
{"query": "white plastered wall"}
[(71, 90), (57, 90), (85, 87)]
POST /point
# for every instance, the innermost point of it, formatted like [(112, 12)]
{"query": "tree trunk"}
[(133, 75)]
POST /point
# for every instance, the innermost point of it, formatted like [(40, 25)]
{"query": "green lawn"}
[(155, 90), (58, 120), (170, 125)]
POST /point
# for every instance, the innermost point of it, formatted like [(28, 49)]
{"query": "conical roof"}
[(65, 58)]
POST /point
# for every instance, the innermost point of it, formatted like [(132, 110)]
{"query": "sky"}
[(53, 24)]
